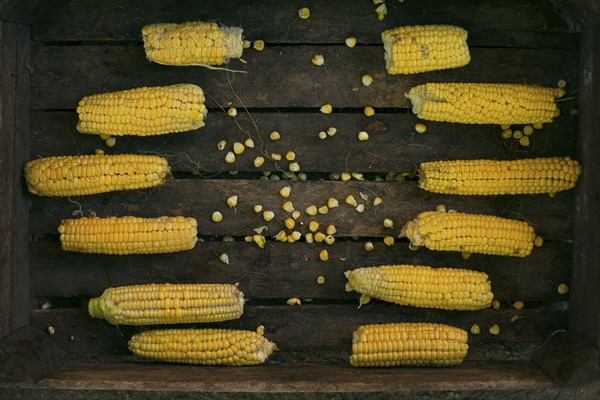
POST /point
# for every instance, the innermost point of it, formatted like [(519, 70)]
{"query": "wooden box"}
[(55, 52)]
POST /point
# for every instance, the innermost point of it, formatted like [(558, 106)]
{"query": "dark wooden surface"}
[(14, 134)]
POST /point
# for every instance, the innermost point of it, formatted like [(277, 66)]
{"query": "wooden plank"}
[(24, 12), (585, 273), (393, 145), (294, 267), (28, 355), (305, 328), (280, 76), (14, 133), (330, 22), (297, 377), (402, 201)]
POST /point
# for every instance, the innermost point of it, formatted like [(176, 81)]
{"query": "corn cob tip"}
[(96, 307)]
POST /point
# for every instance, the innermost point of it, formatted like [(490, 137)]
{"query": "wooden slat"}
[(64, 74), (25, 12), (14, 133), (304, 328), (330, 22), (297, 377), (585, 272), (284, 270), (393, 144), (402, 201)]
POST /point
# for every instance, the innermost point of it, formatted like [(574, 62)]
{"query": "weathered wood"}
[(305, 328), (402, 201), (585, 274), (14, 134), (330, 22), (28, 355), (64, 74), (25, 12), (393, 144), (276, 377), (293, 267), (569, 359)]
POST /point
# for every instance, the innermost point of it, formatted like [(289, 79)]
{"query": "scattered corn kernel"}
[(104, 137), (290, 223), (562, 83), (388, 223), (51, 330), (318, 59), (230, 157), (224, 258), (351, 42), (322, 135), (294, 301), (249, 143), (311, 210), (505, 126), (232, 201), (369, 246), (440, 208), (331, 131), (259, 161), (351, 200), (524, 141), (309, 237), (475, 329), (99, 152), (420, 127), (260, 229), (360, 208), (538, 241), (290, 156), (259, 45), (334, 176), (246, 44), (326, 109), (296, 235), (496, 304), (295, 214), (259, 240), (381, 11), (332, 202), (515, 318), (563, 288), (294, 167), (329, 239), (304, 12), (538, 126), (320, 279), (217, 216), (248, 239), (47, 305), (324, 255), (518, 305), (507, 134), (285, 191), (345, 176), (495, 329), (389, 240), (275, 135), (319, 237), (232, 112), (276, 156), (111, 141), (331, 229), (323, 210), (281, 236), (528, 130), (367, 80), (377, 201), (268, 215), (369, 111), (517, 134), (313, 226), (257, 208), (302, 176), (362, 136), (359, 177)]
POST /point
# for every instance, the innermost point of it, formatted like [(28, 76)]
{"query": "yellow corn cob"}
[(422, 286), (421, 48), (168, 304), (491, 177), (470, 233), (484, 103), (203, 346), (128, 235), (408, 344), (192, 43), (143, 111), (90, 174)]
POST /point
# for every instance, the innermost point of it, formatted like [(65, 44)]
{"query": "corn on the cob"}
[(422, 286), (484, 103), (192, 43), (90, 174), (421, 48), (143, 111), (203, 346), (128, 235), (470, 233), (408, 344), (492, 177), (168, 304)]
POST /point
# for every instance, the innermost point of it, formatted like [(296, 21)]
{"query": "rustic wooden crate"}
[(55, 52)]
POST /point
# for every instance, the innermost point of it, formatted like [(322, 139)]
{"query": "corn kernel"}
[(562, 83), (326, 109), (322, 135), (268, 215), (295, 214), (99, 152), (313, 226), (362, 136), (104, 137), (538, 126), (504, 126), (275, 135), (369, 246), (259, 161), (369, 111), (304, 12), (318, 59), (111, 141), (334, 176), (311, 210), (360, 208), (518, 305), (381, 11), (507, 134), (259, 240), (324, 255), (388, 223), (466, 255), (377, 201), (294, 301), (496, 304), (528, 130), (320, 279), (51, 330), (495, 329), (319, 237), (290, 223), (389, 240), (351, 200), (358, 176), (515, 318), (309, 237), (232, 201), (345, 176), (232, 112), (538, 241), (285, 191), (221, 144), (329, 239), (517, 134), (331, 229), (475, 329), (224, 258), (248, 239), (350, 42), (230, 157), (302, 176), (331, 131), (281, 236), (294, 167), (323, 210), (217, 216), (257, 208), (290, 156), (259, 45), (563, 288), (420, 128), (440, 208), (332, 202), (524, 141), (367, 80), (249, 143), (276, 156), (246, 44)]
